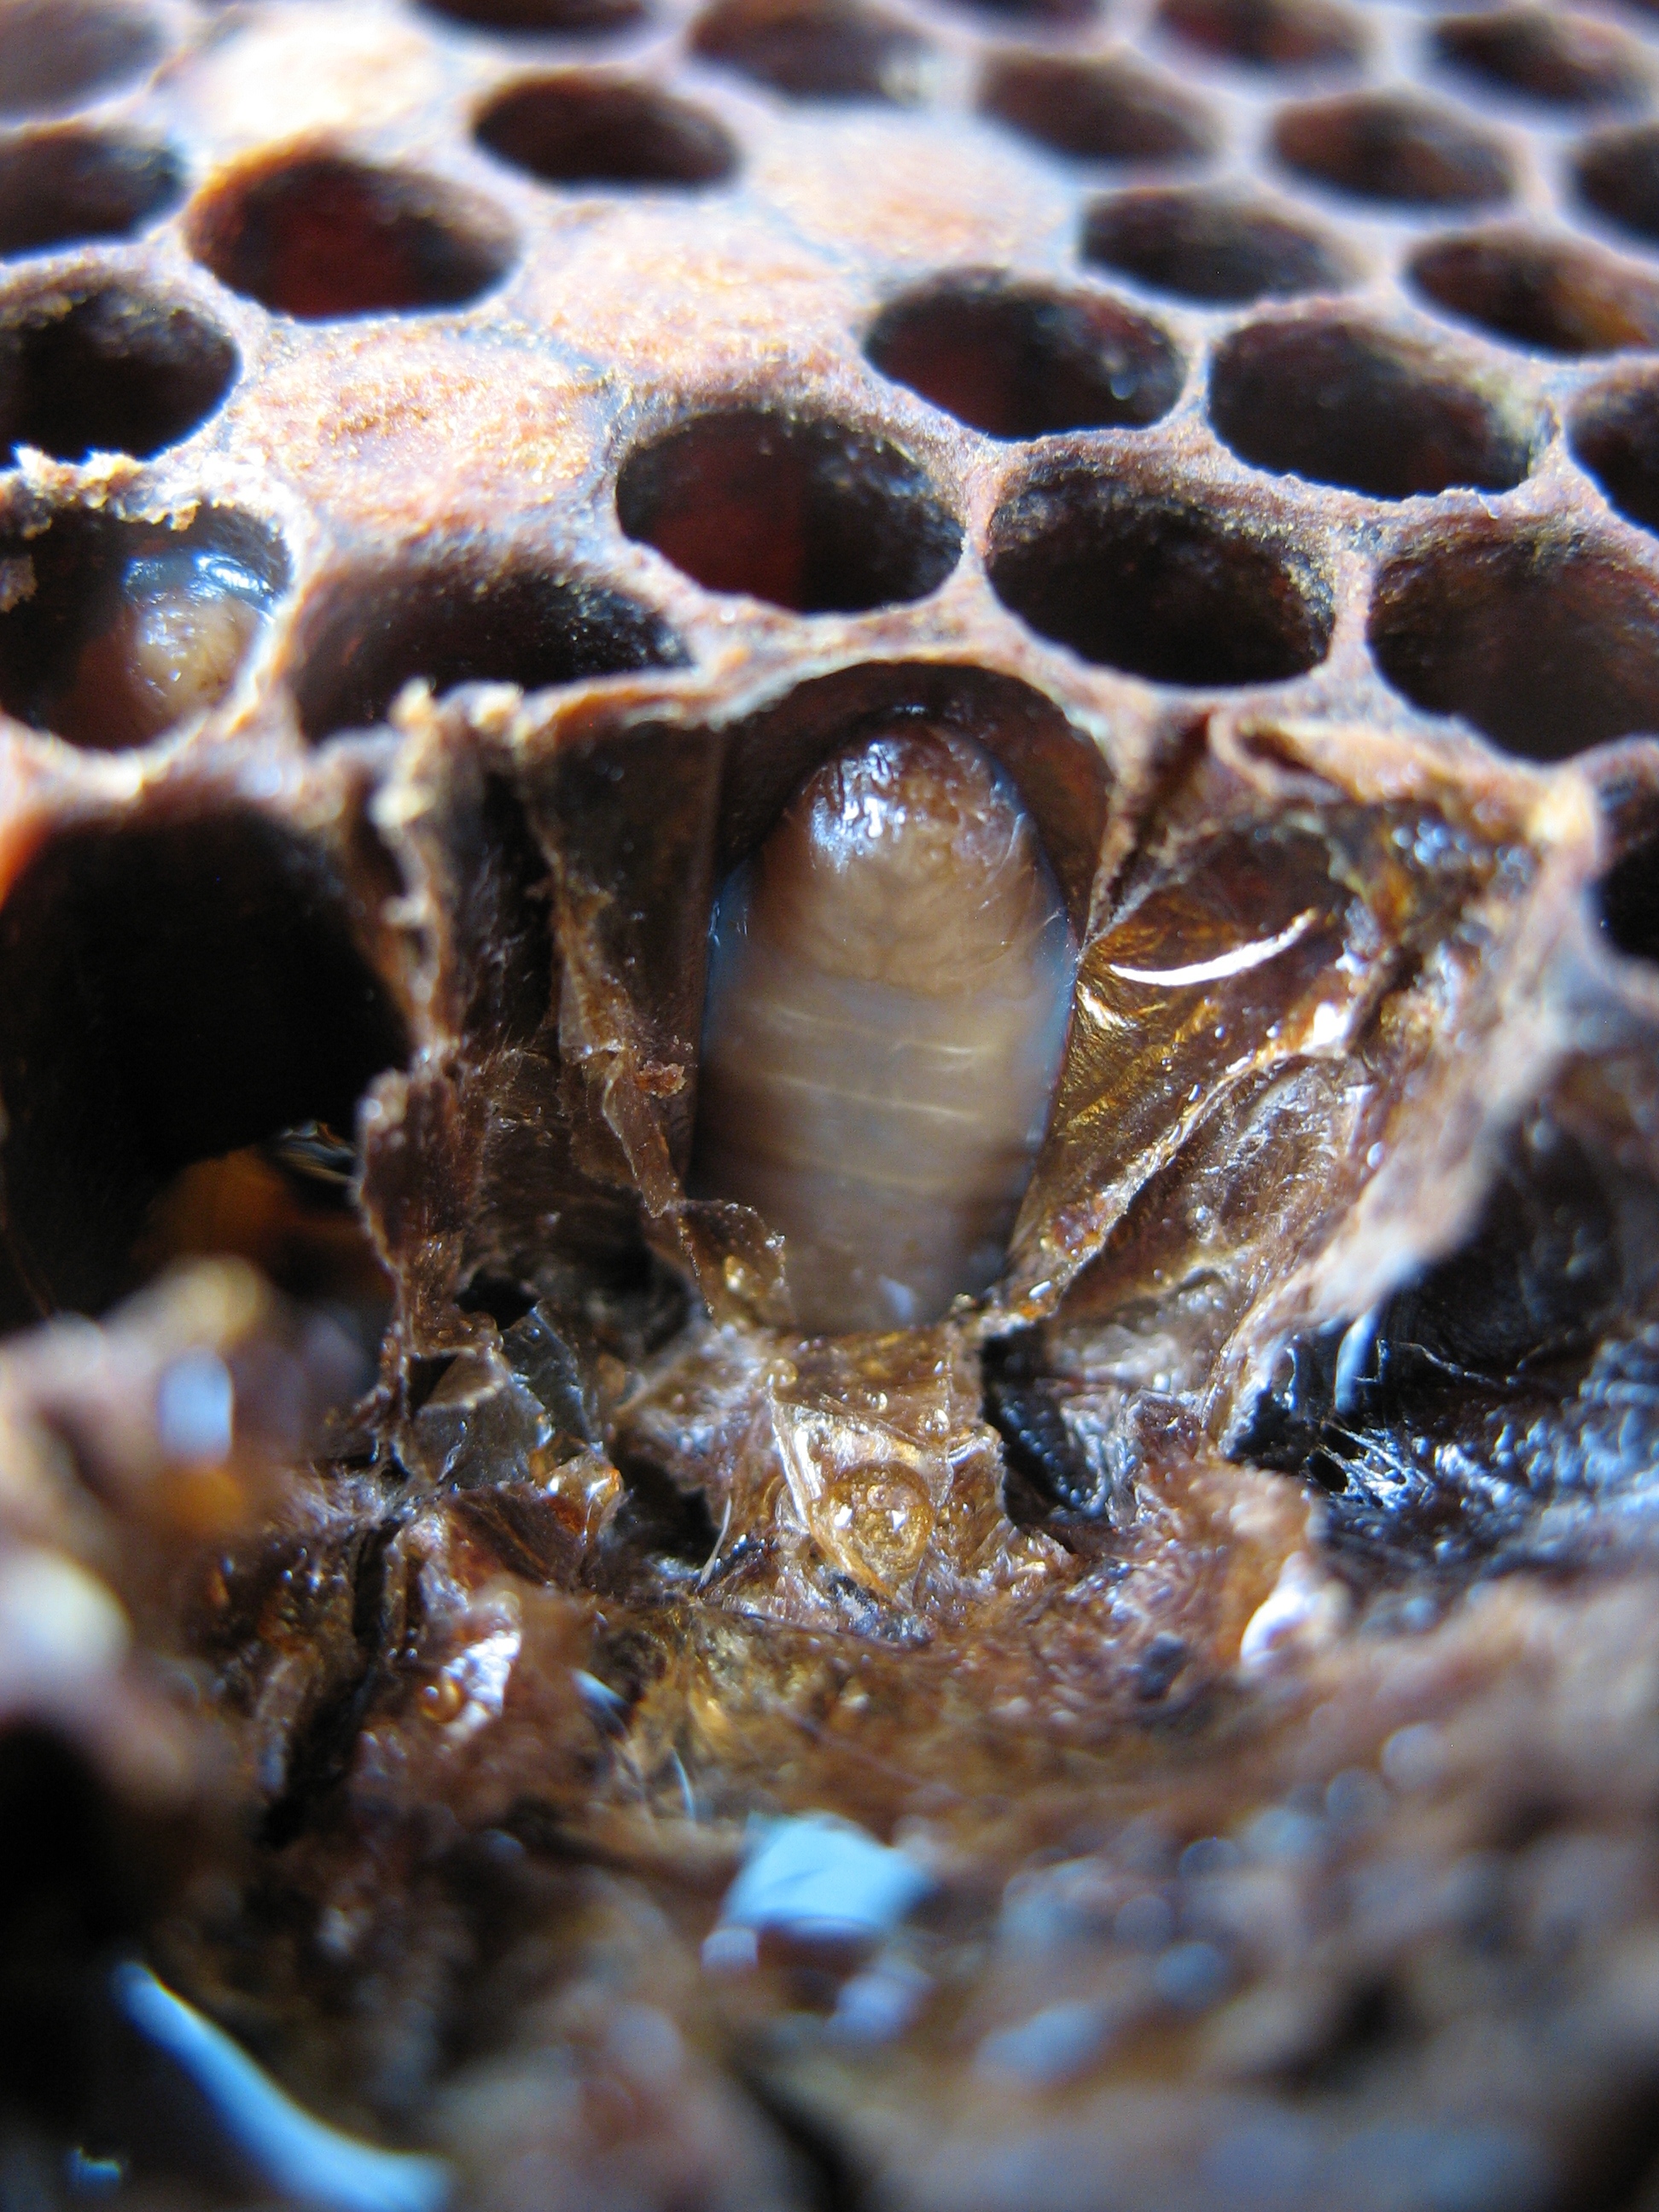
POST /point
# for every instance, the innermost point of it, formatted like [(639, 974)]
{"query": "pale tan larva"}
[(889, 979)]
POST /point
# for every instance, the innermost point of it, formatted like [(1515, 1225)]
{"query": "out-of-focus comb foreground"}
[(829, 1049)]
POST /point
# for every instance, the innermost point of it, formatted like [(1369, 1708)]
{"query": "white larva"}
[(890, 975)]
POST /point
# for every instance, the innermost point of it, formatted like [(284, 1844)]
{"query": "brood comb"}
[(738, 1579)]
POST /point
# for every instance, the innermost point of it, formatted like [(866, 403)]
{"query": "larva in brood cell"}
[(890, 979), (173, 634)]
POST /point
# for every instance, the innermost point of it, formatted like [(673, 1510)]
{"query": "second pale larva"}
[(890, 979)]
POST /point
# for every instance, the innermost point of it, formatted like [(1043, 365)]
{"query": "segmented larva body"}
[(890, 975), (170, 640)]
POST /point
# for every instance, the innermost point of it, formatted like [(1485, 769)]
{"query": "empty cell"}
[(1614, 434), (1112, 109), (454, 619), (1139, 574), (110, 369), (1552, 294), (61, 53), (1021, 360), (62, 185), (1546, 641), (1268, 34), (565, 19), (319, 237), (1395, 147), (175, 992), (129, 629), (1342, 402), (1627, 902), (805, 511), (1221, 248), (816, 50), (1546, 55), (576, 130), (1617, 174), (1038, 15)]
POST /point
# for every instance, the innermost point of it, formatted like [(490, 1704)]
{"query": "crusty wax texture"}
[(485, 488)]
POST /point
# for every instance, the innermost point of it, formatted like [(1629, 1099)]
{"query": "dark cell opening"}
[(569, 19), (1343, 403), (582, 131), (658, 1521), (1019, 361), (106, 371), (58, 187), (805, 512), (451, 621), (1617, 175), (1395, 149), (1141, 578), (58, 54), (129, 629), (1211, 245), (1628, 897), (1268, 34), (1545, 54), (817, 49), (1111, 110), (75, 1878), (1038, 15), (1545, 292), (172, 992), (1546, 641), (321, 237), (1615, 435)]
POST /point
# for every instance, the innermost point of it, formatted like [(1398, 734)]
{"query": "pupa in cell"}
[(890, 983)]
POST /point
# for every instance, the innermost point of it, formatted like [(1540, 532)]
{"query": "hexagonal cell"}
[(1627, 902), (1219, 247), (1395, 148), (451, 618), (1614, 434), (175, 992), (569, 18), (318, 237), (1617, 174), (1021, 360), (1546, 641), (1133, 571), (804, 512), (575, 130), (1038, 14), (60, 53), (58, 187), (106, 370), (1107, 110), (831, 50), (1545, 54), (1550, 293), (1268, 34), (1343, 402), (114, 633)]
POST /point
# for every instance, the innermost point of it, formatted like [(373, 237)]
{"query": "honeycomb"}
[(542, 1668)]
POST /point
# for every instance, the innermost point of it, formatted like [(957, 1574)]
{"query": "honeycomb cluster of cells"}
[(469, 464), (472, 469), (1216, 346), (1274, 351)]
